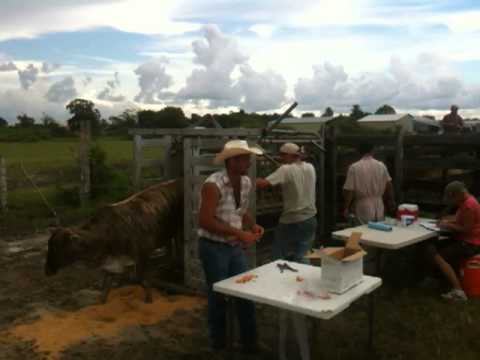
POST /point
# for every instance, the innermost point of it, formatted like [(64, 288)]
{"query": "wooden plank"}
[(187, 193), (444, 140), (137, 162), (204, 160), (3, 185), (333, 178), (165, 141), (443, 163), (155, 163), (231, 132), (208, 143), (321, 199), (354, 140), (85, 176), (399, 166)]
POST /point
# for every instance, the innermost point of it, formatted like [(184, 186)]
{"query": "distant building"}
[(410, 123), (305, 123)]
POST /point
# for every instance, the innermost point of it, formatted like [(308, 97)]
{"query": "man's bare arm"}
[(208, 221), (262, 183)]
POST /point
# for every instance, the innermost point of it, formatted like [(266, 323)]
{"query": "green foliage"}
[(308, 115), (105, 182), (25, 121), (169, 117), (85, 110), (385, 109), (24, 134), (328, 112), (121, 123), (357, 112), (3, 123)]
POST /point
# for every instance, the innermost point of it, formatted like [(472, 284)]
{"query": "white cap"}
[(290, 148)]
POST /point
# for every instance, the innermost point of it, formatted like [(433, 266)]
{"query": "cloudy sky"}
[(259, 55)]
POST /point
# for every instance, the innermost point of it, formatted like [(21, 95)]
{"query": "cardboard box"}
[(342, 267)]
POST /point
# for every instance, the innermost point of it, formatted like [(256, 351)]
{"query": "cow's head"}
[(64, 247)]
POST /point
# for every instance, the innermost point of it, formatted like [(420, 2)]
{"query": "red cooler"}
[(471, 276), (407, 209)]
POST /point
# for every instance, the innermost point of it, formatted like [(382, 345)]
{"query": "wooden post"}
[(333, 178), (252, 251), (321, 198), (399, 166), (3, 184), (137, 162), (84, 162)]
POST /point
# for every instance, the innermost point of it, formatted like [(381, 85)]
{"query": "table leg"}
[(371, 314), (230, 324), (378, 263)]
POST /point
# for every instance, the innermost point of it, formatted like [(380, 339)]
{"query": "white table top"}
[(281, 289), (398, 238)]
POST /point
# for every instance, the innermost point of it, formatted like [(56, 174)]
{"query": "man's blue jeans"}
[(221, 261), (297, 236)]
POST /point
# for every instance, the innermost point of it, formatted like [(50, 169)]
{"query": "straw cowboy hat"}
[(234, 148)]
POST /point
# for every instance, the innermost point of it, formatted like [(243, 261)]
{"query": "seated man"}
[(465, 226), (452, 122)]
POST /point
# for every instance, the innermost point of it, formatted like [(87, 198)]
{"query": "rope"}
[(54, 213)]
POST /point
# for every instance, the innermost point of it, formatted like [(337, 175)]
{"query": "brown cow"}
[(134, 227)]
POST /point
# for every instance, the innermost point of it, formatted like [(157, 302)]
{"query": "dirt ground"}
[(61, 317)]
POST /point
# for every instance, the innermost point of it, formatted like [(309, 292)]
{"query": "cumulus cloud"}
[(153, 81), (427, 82), (62, 91), (225, 78), (48, 68), (28, 76), (14, 102), (87, 80), (218, 56), (260, 91), (108, 93), (9, 66)]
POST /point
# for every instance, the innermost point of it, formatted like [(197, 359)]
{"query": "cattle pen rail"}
[(188, 154), (420, 165)]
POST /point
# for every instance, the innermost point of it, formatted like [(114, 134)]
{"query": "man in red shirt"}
[(465, 226), (452, 122)]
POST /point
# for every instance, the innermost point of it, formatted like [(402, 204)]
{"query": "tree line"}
[(168, 117)]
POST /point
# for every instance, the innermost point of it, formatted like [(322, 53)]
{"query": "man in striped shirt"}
[(225, 230)]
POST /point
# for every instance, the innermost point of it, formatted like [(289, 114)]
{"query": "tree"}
[(168, 117), (357, 112), (385, 109), (82, 109), (126, 120), (3, 123), (48, 121), (308, 114), (25, 121), (328, 112)]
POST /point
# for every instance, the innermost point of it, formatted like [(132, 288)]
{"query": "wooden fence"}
[(420, 165)]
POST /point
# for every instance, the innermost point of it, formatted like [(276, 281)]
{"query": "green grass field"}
[(53, 165)]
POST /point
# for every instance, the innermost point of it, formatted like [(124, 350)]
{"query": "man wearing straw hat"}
[(225, 230)]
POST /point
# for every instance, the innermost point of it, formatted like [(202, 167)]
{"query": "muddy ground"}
[(61, 317)]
